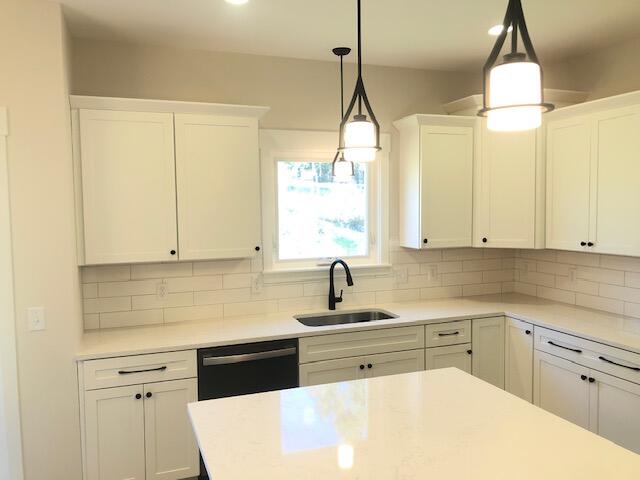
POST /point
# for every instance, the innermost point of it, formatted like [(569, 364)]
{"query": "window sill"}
[(311, 274)]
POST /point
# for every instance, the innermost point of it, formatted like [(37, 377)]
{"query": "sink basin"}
[(324, 319)]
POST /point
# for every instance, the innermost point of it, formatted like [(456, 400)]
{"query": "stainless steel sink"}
[(356, 316)]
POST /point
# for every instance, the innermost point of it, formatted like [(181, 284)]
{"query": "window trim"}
[(278, 145)]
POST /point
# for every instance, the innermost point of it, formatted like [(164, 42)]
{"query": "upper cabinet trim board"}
[(165, 106)]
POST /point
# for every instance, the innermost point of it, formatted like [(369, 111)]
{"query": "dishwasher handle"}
[(248, 357)]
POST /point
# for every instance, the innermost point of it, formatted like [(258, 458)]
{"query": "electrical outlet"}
[(402, 275), (572, 275), (257, 283), (36, 318), (162, 290)]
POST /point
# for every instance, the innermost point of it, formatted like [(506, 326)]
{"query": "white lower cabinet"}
[(114, 432), (331, 371), (458, 356), (518, 359), (170, 446), (614, 406), (487, 344), (354, 368), (138, 428), (562, 388)]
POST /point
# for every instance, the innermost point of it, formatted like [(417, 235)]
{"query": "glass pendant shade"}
[(517, 84), (513, 98), (360, 140), (342, 170)]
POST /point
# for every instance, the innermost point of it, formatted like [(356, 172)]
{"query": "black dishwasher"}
[(249, 368)]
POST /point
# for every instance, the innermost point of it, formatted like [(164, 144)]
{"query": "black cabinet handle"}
[(635, 369), (127, 372), (583, 244), (469, 352), (369, 365), (484, 240), (528, 332), (449, 334), (138, 396), (257, 249), (591, 379), (590, 244), (172, 252), (149, 395), (361, 367), (583, 377), (426, 240), (566, 348)]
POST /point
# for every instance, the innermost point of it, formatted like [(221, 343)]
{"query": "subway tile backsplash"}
[(602, 282), (128, 295)]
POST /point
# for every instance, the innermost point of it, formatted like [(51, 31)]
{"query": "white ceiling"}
[(435, 34)]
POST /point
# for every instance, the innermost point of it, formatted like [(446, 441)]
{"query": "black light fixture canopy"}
[(370, 145), (339, 163), (534, 101)]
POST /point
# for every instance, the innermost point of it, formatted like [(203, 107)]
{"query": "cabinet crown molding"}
[(165, 106)]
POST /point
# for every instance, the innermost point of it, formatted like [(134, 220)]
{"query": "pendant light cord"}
[(341, 88), (359, 59)]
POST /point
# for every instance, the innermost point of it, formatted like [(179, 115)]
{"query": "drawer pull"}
[(248, 357), (449, 334), (635, 369), (127, 372), (566, 348)]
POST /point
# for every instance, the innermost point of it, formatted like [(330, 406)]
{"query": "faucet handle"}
[(339, 298)]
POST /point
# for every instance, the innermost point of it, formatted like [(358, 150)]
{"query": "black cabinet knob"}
[(591, 379), (583, 377), (528, 332), (469, 352), (138, 396), (484, 240), (589, 244), (257, 249), (149, 394), (426, 240), (583, 244), (369, 365), (361, 367), (172, 252)]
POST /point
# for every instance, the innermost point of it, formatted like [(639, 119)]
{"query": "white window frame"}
[(299, 145)]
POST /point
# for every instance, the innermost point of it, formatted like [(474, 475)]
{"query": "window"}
[(310, 219)]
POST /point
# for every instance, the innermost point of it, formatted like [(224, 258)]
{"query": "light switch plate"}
[(257, 283), (36, 318), (162, 290), (402, 274)]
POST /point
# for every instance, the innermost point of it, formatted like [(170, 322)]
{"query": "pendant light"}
[(513, 92), (342, 170), (360, 136)]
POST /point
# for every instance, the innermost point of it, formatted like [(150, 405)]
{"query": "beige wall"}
[(603, 72), (302, 93), (33, 88)]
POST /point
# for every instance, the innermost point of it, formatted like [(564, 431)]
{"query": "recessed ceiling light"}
[(237, 2), (496, 30)]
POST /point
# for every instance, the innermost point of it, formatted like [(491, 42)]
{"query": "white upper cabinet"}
[(509, 190), (615, 214), (142, 198), (218, 185), (128, 190), (593, 199), (568, 176), (436, 180)]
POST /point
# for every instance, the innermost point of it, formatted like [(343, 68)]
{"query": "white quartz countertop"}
[(602, 327), (439, 424)]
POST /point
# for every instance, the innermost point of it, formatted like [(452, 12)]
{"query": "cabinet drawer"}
[(607, 359), (137, 369), (457, 356), (451, 333), (342, 345)]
